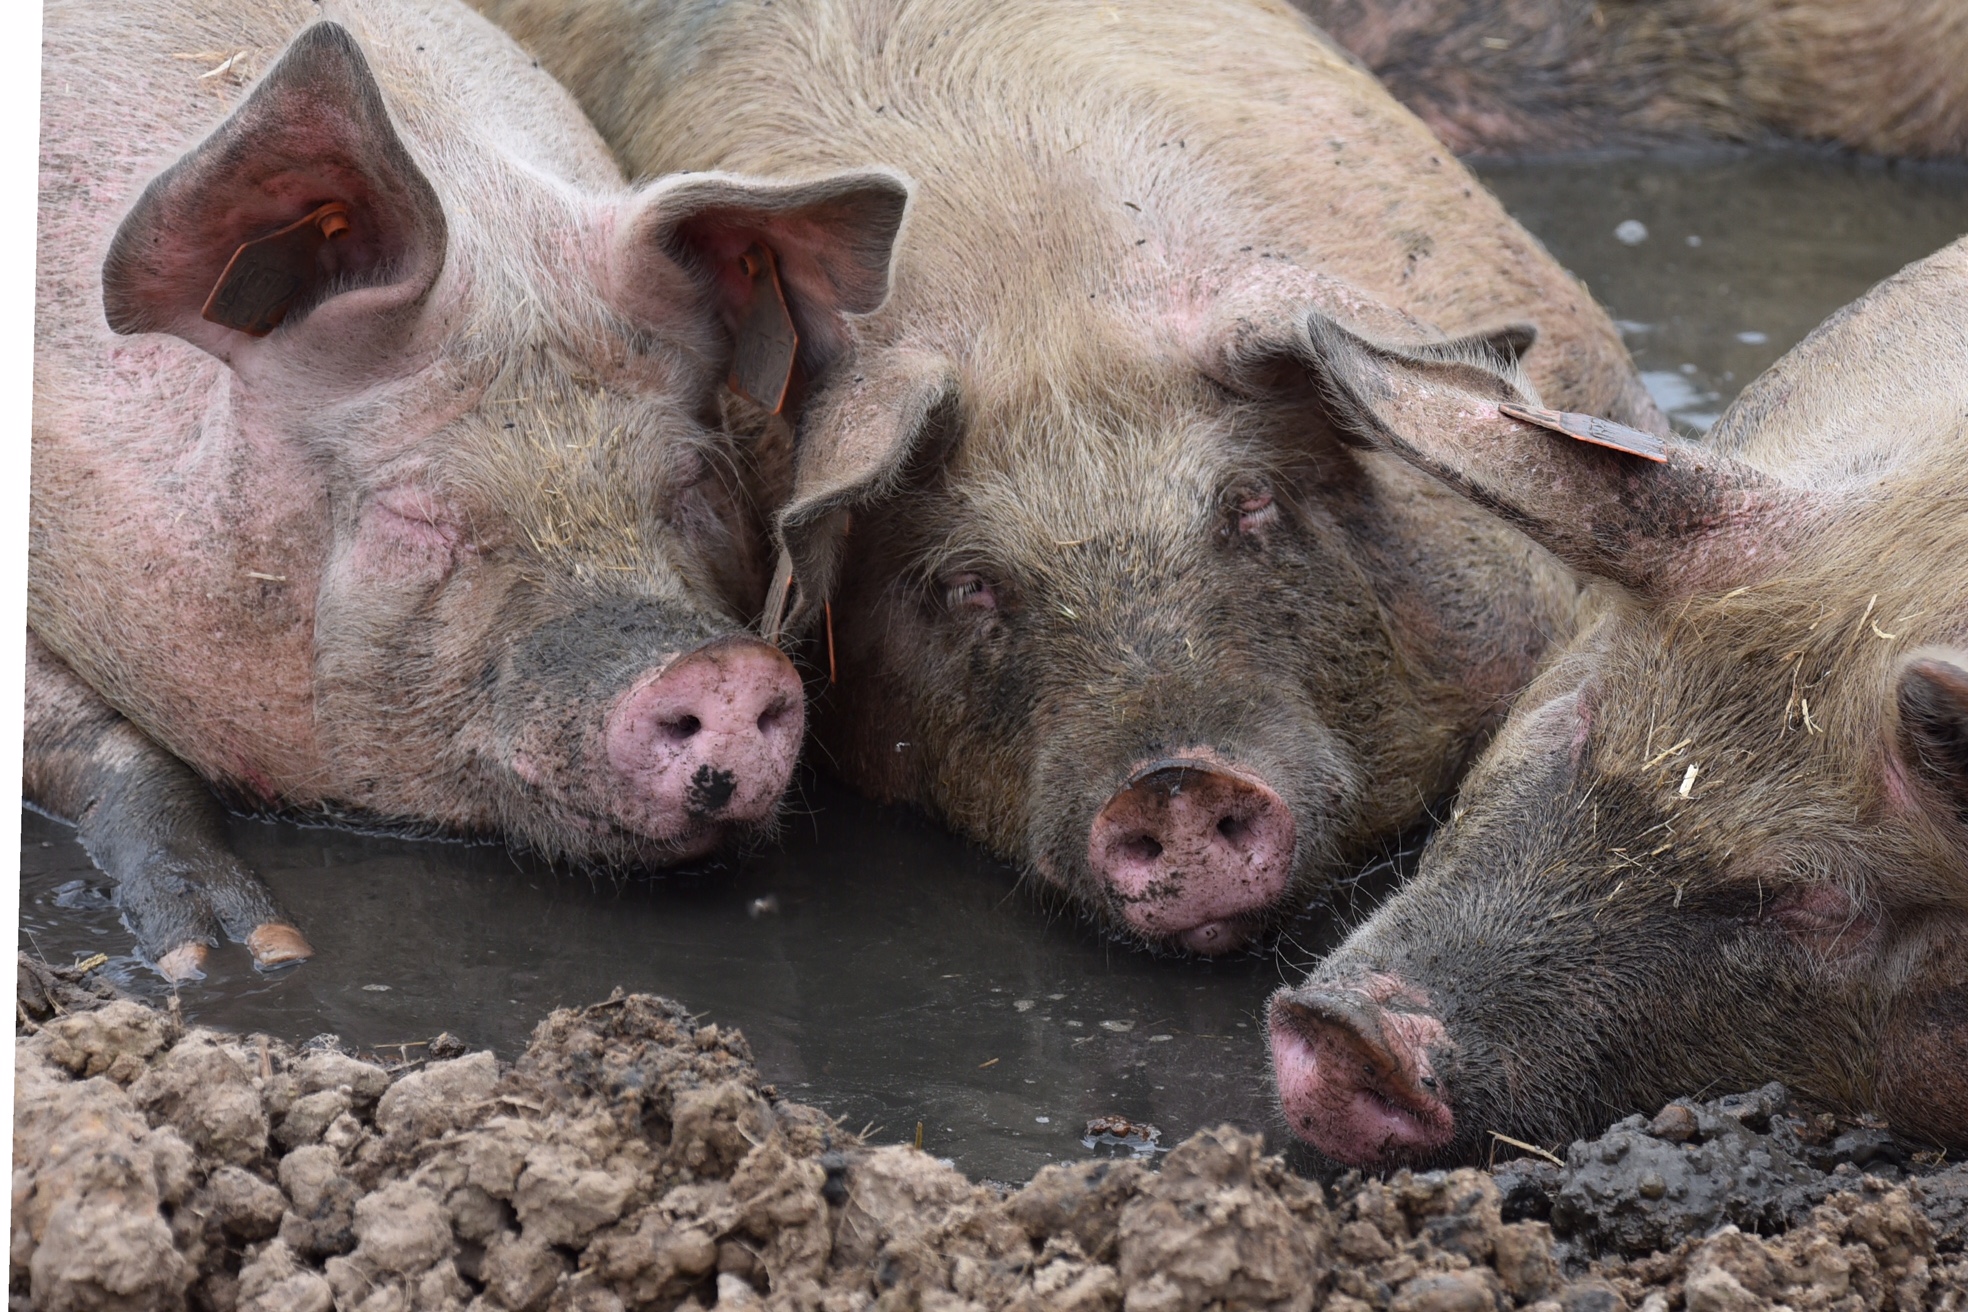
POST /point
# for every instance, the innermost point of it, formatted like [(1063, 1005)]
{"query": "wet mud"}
[(632, 1157)]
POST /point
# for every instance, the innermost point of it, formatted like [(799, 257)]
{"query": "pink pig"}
[(376, 471)]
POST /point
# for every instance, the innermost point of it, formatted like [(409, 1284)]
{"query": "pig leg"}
[(149, 823)]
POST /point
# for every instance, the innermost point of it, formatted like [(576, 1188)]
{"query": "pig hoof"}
[(275, 944), (184, 962)]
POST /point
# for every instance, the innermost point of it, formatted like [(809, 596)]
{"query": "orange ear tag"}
[(768, 344), (265, 277), (1588, 428)]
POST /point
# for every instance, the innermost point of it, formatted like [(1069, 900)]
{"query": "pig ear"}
[(302, 202), (1933, 705), (855, 446), (821, 249), (1695, 520)]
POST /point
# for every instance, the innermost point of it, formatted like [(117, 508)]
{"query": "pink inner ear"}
[(314, 132), (718, 240)]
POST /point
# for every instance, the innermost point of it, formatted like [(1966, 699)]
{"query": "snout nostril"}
[(681, 729), (773, 716), (1232, 828), (1142, 848)]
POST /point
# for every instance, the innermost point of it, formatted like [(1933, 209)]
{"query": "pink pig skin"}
[(457, 546)]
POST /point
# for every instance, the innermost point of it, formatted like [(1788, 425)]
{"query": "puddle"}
[(882, 969), (900, 977), (1715, 263)]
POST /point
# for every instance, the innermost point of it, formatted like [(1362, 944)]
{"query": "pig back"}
[(1154, 155), (1879, 388)]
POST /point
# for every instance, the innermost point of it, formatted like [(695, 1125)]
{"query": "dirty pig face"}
[(562, 567), (1139, 635), (1723, 840), (1646, 892), (533, 620)]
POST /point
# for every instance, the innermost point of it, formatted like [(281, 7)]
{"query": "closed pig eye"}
[(967, 591), (1254, 512), (1251, 515)]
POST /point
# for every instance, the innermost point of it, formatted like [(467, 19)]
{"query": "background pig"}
[(448, 548), (1883, 76), (1116, 601), (1724, 839)]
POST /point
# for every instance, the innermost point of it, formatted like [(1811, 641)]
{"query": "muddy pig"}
[(1724, 838), (371, 470), (1099, 583), (1502, 76)]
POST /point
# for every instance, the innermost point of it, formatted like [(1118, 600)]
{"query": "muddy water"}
[(1715, 264), (883, 970)]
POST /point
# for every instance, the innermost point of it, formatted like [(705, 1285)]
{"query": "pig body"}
[(1882, 76), (1724, 838), (1106, 589), (371, 477)]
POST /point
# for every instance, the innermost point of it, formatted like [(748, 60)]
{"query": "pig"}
[(1504, 76), (1092, 575), (1723, 838), (375, 473)]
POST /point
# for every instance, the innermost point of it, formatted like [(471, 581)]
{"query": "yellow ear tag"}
[(266, 276), (768, 343)]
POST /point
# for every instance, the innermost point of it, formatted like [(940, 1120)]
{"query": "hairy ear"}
[(855, 446), (1933, 706), (303, 204), (782, 264), (1682, 520)]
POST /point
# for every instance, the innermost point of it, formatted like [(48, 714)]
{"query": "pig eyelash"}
[(968, 591)]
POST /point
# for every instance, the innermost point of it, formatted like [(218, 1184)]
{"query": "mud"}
[(631, 1158)]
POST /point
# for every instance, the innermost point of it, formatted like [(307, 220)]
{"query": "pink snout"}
[(1357, 1078), (1194, 851), (709, 741)]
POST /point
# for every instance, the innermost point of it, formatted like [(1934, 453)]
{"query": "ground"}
[(631, 1159)]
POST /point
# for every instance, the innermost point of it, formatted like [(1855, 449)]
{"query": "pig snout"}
[(1360, 1080), (711, 739), (1194, 853)]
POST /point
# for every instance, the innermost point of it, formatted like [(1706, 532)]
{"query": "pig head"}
[(1161, 635), (1724, 838)]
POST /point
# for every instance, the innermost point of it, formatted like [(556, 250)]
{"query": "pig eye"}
[(1254, 513), (1822, 917), (967, 591)]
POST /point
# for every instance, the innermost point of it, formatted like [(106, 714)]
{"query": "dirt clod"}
[(631, 1159)]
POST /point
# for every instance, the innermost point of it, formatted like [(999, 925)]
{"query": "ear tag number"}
[(1588, 428), (265, 277), (768, 344)]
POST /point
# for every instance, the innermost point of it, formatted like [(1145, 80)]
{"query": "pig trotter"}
[(149, 823), (184, 963), (276, 944)]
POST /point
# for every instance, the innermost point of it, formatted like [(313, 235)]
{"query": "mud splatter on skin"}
[(710, 789)]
